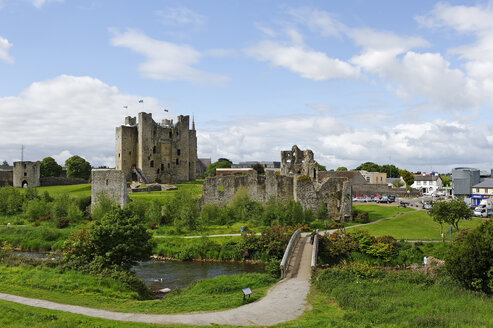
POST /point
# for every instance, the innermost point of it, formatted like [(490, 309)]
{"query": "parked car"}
[(384, 199), (391, 198), (426, 205)]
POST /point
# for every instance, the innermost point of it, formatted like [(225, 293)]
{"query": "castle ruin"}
[(298, 180), (150, 152)]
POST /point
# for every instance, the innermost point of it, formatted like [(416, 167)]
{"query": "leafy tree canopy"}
[(407, 176), (446, 181), (77, 167), (5, 163), (50, 168), (322, 167), (259, 168), (341, 168), (369, 166), (211, 169)]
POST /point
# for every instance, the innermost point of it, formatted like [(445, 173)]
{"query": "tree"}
[(391, 170), (369, 166), (407, 176), (397, 183), (322, 167), (439, 213), (118, 239), (259, 168), (341, 168), (450, 212), (446, 181), (470, 259), (5, 163), (50, 168), (77, 167), (211, 169), (458, 210)]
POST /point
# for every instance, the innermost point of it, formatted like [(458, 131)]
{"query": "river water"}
[(175, 274)]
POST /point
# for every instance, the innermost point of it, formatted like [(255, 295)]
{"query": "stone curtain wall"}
[(334, 192), (220, 190), (372, 189), (6, 178), (61, 181)]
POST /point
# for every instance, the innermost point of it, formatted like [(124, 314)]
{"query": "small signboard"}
[(246, 291)]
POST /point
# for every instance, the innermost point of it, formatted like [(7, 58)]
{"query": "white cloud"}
[(180, 16), (335, 142), (67, 115), (307, 63), (5, 45), (318, 20), (166, 60), (41, 3)]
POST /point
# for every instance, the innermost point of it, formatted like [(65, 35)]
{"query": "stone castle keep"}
[(299, 180), (156, 153)]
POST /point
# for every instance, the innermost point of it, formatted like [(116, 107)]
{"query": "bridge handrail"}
[(287, 253), (314, 252)]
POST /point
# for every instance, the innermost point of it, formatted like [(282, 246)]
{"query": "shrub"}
[(60, 206), (273, 267), (103, 206), (74, 213), (62, 222), (37, 208), (337, 246), (11, 200), (83, 203), (470, 259)]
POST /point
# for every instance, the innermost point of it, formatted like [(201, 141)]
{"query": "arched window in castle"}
[(170, 134), (178, 152), (154, 149), (177, 161), (152, 163), (162, 167)]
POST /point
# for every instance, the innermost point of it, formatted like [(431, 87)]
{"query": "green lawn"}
[(221, 292), (79, 190), (84, 190), (417, 225), (377, 212)]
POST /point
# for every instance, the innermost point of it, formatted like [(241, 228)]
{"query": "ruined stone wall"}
[(333, 192), (26, 174), (111, 182), (220, 190)]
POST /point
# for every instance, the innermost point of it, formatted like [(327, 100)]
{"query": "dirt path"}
[(285, 301)]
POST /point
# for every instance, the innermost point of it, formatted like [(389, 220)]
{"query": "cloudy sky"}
[(409, 83)]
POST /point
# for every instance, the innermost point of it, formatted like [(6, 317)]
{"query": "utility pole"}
[(22, 153)]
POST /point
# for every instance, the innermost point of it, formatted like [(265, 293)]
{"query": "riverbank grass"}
[(76, 288)]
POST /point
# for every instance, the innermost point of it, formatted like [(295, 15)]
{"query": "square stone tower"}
[(156, 153), (27, 174)]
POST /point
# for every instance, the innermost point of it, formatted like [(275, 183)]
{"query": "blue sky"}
[(385, 81)]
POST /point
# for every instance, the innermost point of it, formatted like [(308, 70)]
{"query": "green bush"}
[(36, 208), (103, 206), (470, 259), (60, 206), (11, 200), (273, 267)]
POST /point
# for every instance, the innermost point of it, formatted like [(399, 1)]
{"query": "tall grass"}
[(30, 238)]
